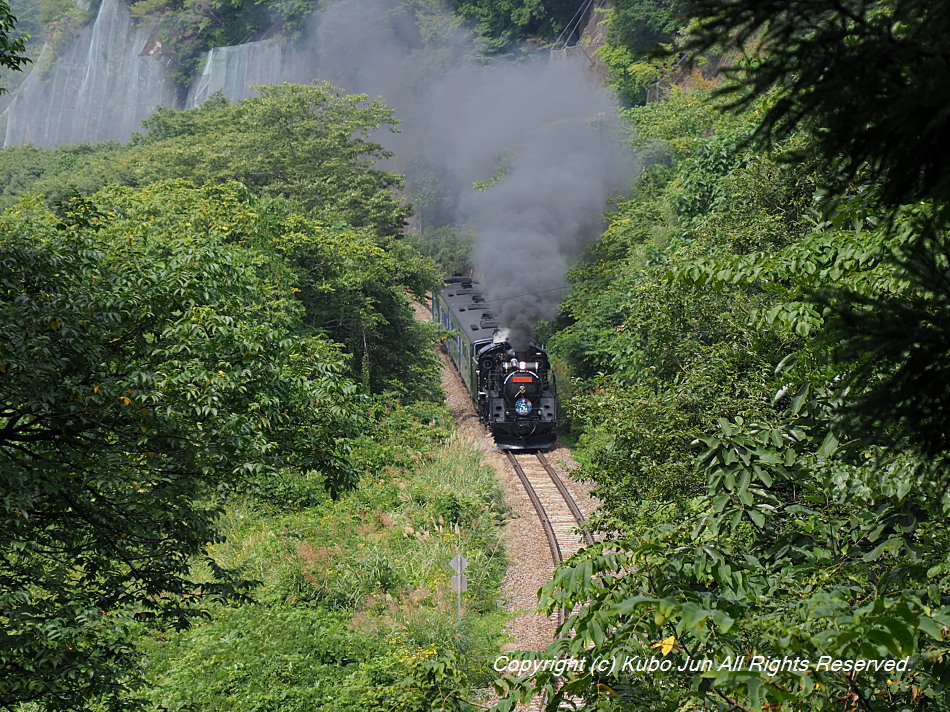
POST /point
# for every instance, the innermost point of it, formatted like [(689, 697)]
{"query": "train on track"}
[(514, 392)]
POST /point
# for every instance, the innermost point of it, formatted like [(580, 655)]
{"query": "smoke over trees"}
[(525, 153)]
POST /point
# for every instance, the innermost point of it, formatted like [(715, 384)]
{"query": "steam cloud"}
[(540, 136)]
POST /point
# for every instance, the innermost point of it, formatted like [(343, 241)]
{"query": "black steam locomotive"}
[(514, 393)]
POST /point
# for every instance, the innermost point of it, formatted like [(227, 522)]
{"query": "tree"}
[(357, 293), (354, 284), (147, 370), (11, 49), (309, 144), (870, 81), (792, 560), (637, 31), (819, 530), (505, 24), (871, 77)]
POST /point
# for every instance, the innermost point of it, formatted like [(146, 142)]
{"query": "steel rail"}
[(568, 499), (538, 508)]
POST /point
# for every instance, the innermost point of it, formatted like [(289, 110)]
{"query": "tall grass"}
[(370, 570)]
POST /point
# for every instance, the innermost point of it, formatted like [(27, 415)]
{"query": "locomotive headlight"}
[(522, 366)]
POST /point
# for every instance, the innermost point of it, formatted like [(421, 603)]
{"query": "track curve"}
[(560, 517)]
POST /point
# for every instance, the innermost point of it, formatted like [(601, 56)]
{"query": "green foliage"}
[(290, 658), (879, 276), (28, 15), (662, 354), (20, 167), (29, 27), (849, 249), (807, 518), (354, 608), (309, 144), (448, 246), (344, 285), (631, 76), (700, 186), (898, 342), (638, 34), (356, 293), (146, 366), (354, 284), (166, 386), (57, 172), (11, 48), (637, 444), (798, 549), (278, 658), (784, 50), (184, 423), (504, 24), (432, 683), (641, 25), (818, 529), (675, 127)]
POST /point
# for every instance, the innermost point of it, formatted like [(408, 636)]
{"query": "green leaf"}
[(828, 446), (692, 617), (757, 517)]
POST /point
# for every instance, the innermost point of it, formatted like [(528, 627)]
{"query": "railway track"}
[(560, 517)]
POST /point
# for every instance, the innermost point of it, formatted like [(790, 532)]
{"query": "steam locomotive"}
[(513, 392)]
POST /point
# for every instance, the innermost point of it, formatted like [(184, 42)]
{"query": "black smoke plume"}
[(527, 153)]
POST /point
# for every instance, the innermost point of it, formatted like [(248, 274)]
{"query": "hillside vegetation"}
[(227, 480), (760, 358), (227, 476)]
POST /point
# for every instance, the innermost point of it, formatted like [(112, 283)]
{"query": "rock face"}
[(235, 71), (114, 74), (592, 34), (100, 87)]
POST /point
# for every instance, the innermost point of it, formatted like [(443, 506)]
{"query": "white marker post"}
[(459, 582)]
